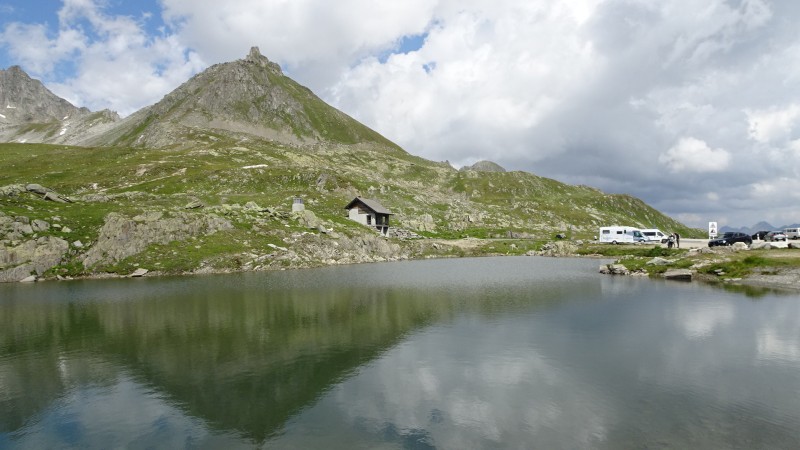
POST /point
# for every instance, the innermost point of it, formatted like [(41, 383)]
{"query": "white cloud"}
[(497, 76), (701, 321), (317, 38), (585, 91), (693, 155), (785, 190), (30, 46), (118, 65), (773, 347), (775, 124)]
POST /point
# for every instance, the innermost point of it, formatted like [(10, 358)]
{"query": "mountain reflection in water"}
[(469, 353)]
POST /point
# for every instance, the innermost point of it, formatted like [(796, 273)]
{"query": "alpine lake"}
[(474, 353)]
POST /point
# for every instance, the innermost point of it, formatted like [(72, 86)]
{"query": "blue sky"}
[(693, 107)]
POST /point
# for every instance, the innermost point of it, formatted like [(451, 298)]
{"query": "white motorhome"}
[(792, 233), (654, 235), (621, 235)]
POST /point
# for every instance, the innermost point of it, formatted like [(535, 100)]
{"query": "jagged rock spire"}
[(255, 57), (255, 54)]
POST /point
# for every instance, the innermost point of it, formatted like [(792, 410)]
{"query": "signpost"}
[(712, 230)]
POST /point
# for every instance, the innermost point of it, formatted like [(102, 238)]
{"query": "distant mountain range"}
[(760, 226)]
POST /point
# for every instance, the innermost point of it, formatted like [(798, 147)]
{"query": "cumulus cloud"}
[(775, 124), (42, 57), (315, 40), (585, 91), (111, 61), (694, 155)]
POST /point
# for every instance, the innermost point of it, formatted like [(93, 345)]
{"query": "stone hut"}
[(370, 213)]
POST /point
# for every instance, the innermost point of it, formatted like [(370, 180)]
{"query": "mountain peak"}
[(255, 57), (17, 70), (30, 111), (249, 96), (484, 166)]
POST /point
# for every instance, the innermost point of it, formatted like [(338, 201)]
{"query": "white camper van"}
[(621, 235), (654, 235), (792, 233)]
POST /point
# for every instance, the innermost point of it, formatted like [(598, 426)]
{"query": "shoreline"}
[(785, 280)]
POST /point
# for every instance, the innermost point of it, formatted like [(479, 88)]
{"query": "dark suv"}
[(730, 238)]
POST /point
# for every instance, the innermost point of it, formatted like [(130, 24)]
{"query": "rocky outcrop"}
[(739, 246), (122, 236), (310, 249), (424, 222), (12, 190), (614, 269), (47, 193), (558, 248), (678, 274), (35, 256), (308, 219), (657, 261), (484, 166)]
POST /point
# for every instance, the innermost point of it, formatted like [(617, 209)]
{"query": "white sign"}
[(712, 230)]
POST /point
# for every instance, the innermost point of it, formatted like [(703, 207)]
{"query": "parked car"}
[(730, 238), (759, 236), (775, 236), (654, 235), (792, 233)]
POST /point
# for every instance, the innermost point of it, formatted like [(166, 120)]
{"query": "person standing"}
[(670, 240), (677, 240)]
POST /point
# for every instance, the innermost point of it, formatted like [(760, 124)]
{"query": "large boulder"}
[(11, 190), (37, 189), (308, 219), (657, 261), (614, 269), (678, 274), (31, 257), (737, 246), (558, 248)]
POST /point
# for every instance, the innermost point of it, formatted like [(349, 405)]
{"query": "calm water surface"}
[(453, 354)]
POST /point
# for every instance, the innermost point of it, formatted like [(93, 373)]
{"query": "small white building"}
[(298, 205), (370, 213)]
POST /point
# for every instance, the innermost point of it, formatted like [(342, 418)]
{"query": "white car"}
[(654, 235), (775, 236)]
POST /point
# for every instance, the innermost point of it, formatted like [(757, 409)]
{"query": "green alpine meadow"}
[(208, 179)]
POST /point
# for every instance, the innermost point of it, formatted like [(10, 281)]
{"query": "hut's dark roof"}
[(369, 203)]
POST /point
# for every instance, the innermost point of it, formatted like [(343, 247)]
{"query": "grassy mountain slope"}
[(250, 97), (430, 198), (205, 179)]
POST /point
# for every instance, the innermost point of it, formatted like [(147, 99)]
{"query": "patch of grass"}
[(630, 250), (740, 266)]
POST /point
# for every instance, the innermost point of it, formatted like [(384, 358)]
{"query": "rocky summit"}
[(484, 166), (29, 112), (247, 97), (242, 168)]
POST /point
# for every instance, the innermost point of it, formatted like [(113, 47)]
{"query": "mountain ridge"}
[(32, 113), (760, 226)]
